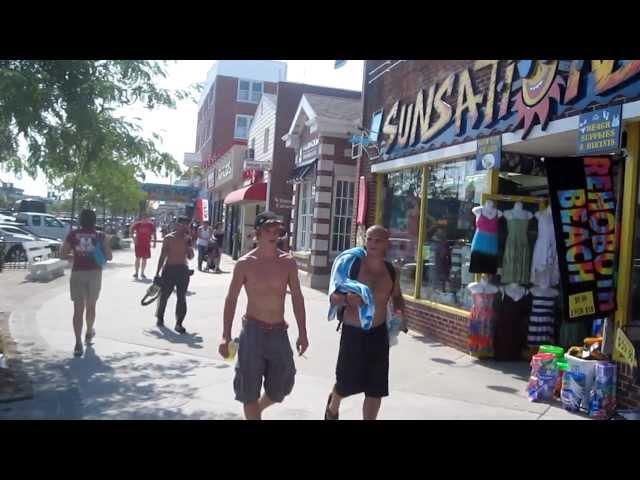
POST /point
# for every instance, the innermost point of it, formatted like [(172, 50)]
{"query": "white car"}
[(14, 237), (43, 225)]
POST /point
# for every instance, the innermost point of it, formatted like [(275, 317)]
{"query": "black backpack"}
[(353, 275)]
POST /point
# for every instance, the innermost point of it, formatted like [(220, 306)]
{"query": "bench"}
[(47, 269)]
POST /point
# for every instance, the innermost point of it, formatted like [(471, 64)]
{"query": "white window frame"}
[(249, 98), (305, 216), (334, 214), (235, 128)]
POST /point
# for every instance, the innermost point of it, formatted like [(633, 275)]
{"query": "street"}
[(135, 370)]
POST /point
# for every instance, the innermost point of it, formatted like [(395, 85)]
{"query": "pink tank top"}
[(487, 225)]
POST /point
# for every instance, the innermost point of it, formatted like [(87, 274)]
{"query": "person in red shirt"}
[(142, 232), (86, 274)]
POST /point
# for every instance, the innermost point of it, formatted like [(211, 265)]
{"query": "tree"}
[(65, 110)]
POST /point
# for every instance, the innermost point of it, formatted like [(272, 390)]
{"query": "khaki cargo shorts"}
[(85, 285)]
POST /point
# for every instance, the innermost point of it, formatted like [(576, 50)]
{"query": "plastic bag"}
[(543, 378), (602, 397), (394, 320), (573, 387)]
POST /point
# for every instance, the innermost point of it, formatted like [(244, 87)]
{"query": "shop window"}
[(342, 215), (401, 215), (305, 216), (453, 190), (243, 124)]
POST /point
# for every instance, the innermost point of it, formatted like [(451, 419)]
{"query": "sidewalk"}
[(137, 371)]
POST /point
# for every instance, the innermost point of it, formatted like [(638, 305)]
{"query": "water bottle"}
[(233, 349)]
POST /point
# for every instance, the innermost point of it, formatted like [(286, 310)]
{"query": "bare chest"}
[(378, 280), (267, 275)]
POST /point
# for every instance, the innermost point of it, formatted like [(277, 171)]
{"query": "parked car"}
[(7, 218), (43, 225), (13, 238)]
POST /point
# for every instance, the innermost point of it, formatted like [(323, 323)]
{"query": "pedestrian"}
[(142, 232), (176, 252), (218, 232), (204, 235), (264, 352), (83, 246), (363, 357)]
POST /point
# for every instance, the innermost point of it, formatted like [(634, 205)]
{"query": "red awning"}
[(253, 193)]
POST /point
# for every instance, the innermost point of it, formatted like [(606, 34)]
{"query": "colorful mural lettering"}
[(519, 96)]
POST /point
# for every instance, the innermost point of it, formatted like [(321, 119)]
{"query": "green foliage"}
[(65, 112)]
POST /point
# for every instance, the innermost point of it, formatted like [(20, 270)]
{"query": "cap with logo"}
[(268, 218)]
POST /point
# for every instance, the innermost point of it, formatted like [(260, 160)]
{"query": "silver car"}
[(13, 237)]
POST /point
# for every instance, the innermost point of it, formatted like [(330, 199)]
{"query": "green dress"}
[(516, 263)]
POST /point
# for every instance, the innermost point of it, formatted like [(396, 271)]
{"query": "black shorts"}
[(363, 362)]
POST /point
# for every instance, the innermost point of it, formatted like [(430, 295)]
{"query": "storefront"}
[(465, 148), (225, 177), (324, 184)]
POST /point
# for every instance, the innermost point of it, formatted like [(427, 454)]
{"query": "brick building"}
[(427, 119), (228, 103), (267, 151), (323, 178)]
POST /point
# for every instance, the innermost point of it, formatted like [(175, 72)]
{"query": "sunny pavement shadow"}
[(191, 339)]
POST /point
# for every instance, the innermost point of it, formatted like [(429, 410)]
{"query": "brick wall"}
[(450, 329)]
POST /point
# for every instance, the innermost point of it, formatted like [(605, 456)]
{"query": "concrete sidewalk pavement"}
[(138, 371)]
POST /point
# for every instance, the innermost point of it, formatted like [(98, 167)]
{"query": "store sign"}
[(255, 165), (599, 132), (489, 154), (310, 150), (583, 205), (458, 108), (202, 210), (283, 202), (623, 350), (224, 171), (169, 193), (211, 178)]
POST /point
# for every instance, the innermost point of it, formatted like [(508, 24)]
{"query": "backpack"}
[(353, 275)]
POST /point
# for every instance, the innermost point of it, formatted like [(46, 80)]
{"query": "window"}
[(266, 140), (52, 222), (249, 91), (453, 190), (342, 215), (243, 124), (401, 215), (253, 146), (305, 216), (36, 221)]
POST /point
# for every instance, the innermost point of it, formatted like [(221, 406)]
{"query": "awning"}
[(298, 174), (253, 193)]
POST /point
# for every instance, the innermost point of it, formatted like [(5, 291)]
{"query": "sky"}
[(177, 127)]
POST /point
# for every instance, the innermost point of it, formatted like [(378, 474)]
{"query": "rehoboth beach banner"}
[(583, 204)]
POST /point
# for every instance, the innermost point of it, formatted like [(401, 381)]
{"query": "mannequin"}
[(484, 246), (489, 210), (516, 262), (518, 212), (544, 264), (482, 318), (542, 320), (515, 291)]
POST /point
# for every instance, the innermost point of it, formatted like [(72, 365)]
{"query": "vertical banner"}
[(489, 153), (583, 204), (202, 210)]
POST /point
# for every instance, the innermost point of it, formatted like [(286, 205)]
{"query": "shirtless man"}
[(264, 350), (363, 358), (176, 251)]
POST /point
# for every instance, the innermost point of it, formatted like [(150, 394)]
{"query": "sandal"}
[(78, 350), (328, 415)]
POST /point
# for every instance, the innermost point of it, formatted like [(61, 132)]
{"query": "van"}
[(43, 225)]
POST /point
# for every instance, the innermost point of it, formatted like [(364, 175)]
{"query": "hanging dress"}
[(516, 261), (544, 265), (481, 325), (484, 246), (510, 337), (542, 321)]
